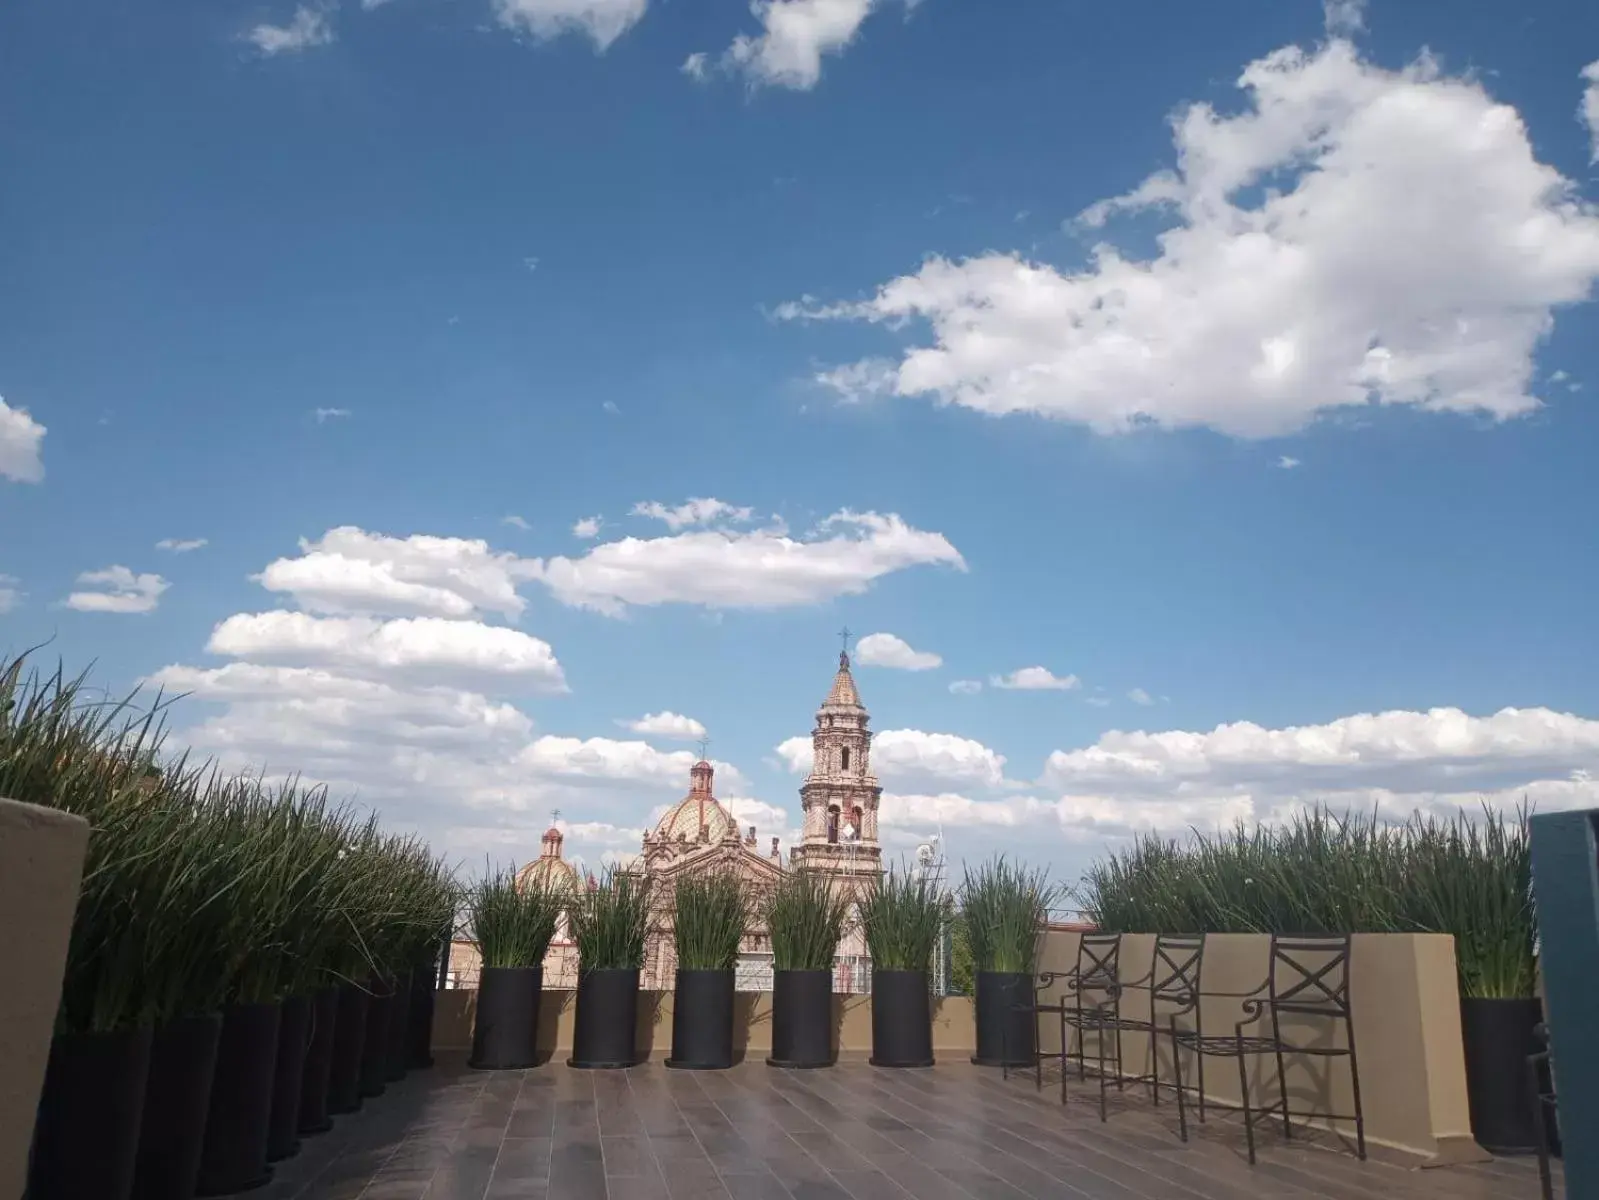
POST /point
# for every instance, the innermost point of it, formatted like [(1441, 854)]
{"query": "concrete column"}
[(41, 866)]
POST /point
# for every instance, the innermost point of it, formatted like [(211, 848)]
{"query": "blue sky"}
[(382, 300)]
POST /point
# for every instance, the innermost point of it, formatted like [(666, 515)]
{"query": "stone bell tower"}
[(840, 795)]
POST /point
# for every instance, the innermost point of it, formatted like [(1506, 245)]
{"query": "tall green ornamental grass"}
[(1473, 878), (1467, 875), (1004, 908), (805, 917), (609, 920), (65, 749), (903, 917), (199, 888), (710, 913), (513, 925)]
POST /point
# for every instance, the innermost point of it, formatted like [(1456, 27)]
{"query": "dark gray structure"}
[(1565, 879)]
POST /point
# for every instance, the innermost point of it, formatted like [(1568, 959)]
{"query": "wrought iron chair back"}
[(1309, 975), (1175, 977), (1098, 963)]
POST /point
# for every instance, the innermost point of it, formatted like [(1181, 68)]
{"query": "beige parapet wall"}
[(41, 866), (954, 1030), (1406, 1006)]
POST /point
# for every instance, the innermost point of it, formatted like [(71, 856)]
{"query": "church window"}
[(832, 824), (846, 758)]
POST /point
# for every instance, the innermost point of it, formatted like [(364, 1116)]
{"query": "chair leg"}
[(1243, 1092), (1282, 1091), (1038, 1053), (1177, 1073), (1103, 1113), (1063, 1046), (1121, 1074), (1354, 1087), (1201, 1072), (1154, 1064)]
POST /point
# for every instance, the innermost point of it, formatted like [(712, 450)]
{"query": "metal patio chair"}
[(1308, 976)]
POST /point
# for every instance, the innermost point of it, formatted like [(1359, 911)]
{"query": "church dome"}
[(698, 806), (549, 869)]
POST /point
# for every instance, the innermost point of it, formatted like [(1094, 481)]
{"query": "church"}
[(838, 838)]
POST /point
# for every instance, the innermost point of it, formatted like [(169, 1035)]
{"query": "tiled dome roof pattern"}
[(684, 817)]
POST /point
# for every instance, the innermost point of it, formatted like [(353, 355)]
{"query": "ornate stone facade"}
[(839, 798)]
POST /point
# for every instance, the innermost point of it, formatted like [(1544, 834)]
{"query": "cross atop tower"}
[(555, 816), (844, 636), (705, 745)]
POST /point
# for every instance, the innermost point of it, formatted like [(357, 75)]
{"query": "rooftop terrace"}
[(955, 1132)]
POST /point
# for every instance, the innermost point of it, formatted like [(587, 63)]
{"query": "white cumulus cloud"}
[(1344, 18), (915, 756), (886, 650), (666, 725), (117, 590), (1035, 679), (1351, 235), (795, 36), (966, 687), (1140, 696), (411, 714), (21, 439), (349, 570), (923, 812), (1398, 761), (182, 545), (759, 568), (700, 510), (602, 21), (307, 28), (586, 527), (423, 647), (10, 594)]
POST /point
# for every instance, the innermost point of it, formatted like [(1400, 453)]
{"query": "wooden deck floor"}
[(954, 1132)]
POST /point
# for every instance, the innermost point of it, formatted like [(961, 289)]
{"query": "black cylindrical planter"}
[(607, 1019), (802, 1019), (233, 1155), (86, 1135), (419, 1016), (1499, 1037), (375, 1054), (177, 1096), (1006, 1036), (318, 1064), (505, 1037), (349, 1046), (288, 1081), (702, 1021), (902, 1019), (400, 1029)]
